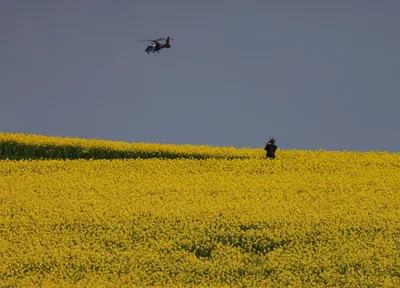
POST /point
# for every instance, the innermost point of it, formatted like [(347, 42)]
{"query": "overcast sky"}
[(313, 74)]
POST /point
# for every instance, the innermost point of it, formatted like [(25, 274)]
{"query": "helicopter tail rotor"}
[(167, 45)]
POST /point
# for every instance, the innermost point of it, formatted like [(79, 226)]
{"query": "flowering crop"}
[(308, 218), (21, 146)]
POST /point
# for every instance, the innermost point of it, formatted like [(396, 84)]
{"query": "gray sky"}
[(313, 74)]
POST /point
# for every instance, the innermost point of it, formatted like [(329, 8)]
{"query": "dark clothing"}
[(270, 148)]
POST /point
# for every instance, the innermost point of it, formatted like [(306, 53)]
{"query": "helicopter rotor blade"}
[(148, 40)]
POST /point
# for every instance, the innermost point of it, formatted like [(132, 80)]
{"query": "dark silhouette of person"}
[(271, 148)]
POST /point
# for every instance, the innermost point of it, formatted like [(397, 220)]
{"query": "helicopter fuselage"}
[(153, 49)]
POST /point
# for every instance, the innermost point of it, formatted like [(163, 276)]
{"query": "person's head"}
[(272, 141)]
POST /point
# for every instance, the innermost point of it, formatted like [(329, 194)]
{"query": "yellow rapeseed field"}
[(20, 146), (197, 216)]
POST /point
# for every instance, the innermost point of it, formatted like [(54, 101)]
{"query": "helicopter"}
[(155, 46)]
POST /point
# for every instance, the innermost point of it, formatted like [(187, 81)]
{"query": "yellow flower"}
[(197, 216)]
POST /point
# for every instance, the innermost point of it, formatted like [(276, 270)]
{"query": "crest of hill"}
[(32, 146), (17, 146)]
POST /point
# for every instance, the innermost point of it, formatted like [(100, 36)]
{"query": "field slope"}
[(91, 213)]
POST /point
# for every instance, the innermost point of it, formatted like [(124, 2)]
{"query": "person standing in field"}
[(271, 148)]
